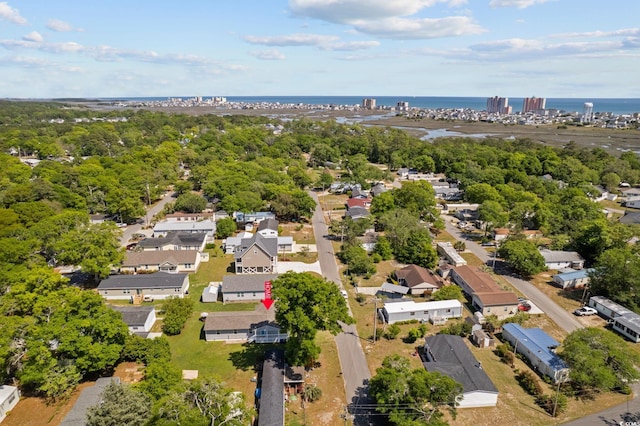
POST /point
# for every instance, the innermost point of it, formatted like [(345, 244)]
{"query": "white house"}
[(139, 319), (573, 279), (539, 348), (608, 308), (206, 226), (628, 325), (449, 355), (159, 285), (245, 287), (422, 311), (9, 397), (557, 259), (268, 228), (242, 326), (451, 254)]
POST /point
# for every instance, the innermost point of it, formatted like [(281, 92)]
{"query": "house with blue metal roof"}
[(539, 348), (573, 279)]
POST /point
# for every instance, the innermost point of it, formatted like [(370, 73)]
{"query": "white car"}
[(585, 311), (344, 294)]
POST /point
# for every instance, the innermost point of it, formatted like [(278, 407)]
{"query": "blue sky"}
[(511, 48)]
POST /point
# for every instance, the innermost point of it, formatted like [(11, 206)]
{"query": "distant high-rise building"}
[(402, 106), (533, 104), (498, 105), (369, 103), (587, 116)]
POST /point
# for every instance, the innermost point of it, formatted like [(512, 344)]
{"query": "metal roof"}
[(411, 306), (538, 342)]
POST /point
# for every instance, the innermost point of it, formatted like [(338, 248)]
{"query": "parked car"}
[(344, 294), (524, 307), (585, 311)]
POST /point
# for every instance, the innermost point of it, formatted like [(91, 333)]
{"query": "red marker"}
[(268, 301)]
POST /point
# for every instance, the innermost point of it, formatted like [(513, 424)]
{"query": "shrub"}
[(460, 328), (361, 298), (413, 335), (530, 383), (555, 402), (376, 258), (392, 332), (210, 246), (504, 351), (176, 313), (312, 393)]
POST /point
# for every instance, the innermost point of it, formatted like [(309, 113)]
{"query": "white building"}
[(9, 397), (423, 311)]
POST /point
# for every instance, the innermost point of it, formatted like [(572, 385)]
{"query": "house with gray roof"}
[(175, 241), (271, 394), (88, 398), (256, 255), (245, 287), (139, 319), (357, 212), (572, 279), (268, 228), (558, 259), (206, 226), (165, 261), (159, 285), (256, 326), (449, 355)]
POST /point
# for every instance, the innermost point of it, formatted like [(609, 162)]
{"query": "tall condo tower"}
[(369, 103), (533, 104), (587, 116), (498, 105)]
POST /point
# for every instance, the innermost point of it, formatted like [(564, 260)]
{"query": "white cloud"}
[(400, 28), (346, 11), (268, 55), (520, 4), (292, 40), (617, 33), (33, 36), (8, 13), (24, 62), (61, 26), (350, 45)]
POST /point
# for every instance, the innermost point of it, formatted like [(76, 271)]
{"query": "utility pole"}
[(375, 319)]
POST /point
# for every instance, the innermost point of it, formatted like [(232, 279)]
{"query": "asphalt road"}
[(355, 370), (564, 319), (152, 210)]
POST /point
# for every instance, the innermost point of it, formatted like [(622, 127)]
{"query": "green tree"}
[(190, 202), (418, 250), (120, 404), (160, 377), (523, 256), (599, 360), (176, 313), (417, 197), (412, 397), (617, 275), (448, 292), (383, 248), (304, 305), (225, 227), (324, 180), (492, 214), (357, 260)]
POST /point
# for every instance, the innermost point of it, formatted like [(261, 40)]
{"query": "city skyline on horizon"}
[(302, 47)]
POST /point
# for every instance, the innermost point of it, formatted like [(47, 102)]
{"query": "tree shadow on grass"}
[(250, 356)]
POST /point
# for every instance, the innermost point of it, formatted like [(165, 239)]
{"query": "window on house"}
[(412, 314)]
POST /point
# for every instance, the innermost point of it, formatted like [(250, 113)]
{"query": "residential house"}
[(558, 259), (206, 226), (628, 325), (268, 228), (256, 255), (357, 212), (189, 217), (230, 243), (165, 261), (358, 202), (447, 250), (632, 202), (393, 291), (257, 326), (485, 294), (539, 349), (378, 189), (159, 285), (435, 311), (245, 287), (359, 193), (419, 280), (503, 304), (449, 355), (271, 390), (573, 279), (630, 218), (631, 192), (9, 397), (97, 218), (175, 241), (252, 217), (89, 397), (500, 234), (139, 319), (609, 309)]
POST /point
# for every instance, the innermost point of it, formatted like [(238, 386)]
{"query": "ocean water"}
[(615, 106)]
